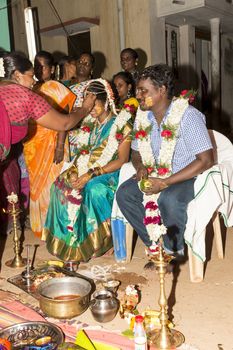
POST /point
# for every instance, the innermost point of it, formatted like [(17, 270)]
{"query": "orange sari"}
[(39, 153)]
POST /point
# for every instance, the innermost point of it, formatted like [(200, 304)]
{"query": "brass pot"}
[(64, 297)]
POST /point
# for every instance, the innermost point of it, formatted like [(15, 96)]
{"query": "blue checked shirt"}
[(193, 137)]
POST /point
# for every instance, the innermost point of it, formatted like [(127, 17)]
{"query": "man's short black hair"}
[(160, 74)]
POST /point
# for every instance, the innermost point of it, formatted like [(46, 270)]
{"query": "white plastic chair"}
[(212, 196), (196, 265)]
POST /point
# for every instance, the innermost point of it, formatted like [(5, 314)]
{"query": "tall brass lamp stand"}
[(164, 338), (17, 261)]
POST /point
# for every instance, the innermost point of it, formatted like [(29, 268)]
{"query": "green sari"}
[(90, 235)]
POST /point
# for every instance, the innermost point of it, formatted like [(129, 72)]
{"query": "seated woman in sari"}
[(124, 85), (78, 220)]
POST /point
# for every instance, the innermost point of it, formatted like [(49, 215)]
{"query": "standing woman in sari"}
[(45, 149), (18, 104), (85, 65), (77, 227), (67, 70)]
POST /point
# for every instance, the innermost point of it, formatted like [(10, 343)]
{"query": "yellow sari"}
[(39, 154)]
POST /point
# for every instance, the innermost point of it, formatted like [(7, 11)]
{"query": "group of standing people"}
[(74, 174)]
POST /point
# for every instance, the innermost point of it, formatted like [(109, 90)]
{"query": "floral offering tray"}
[(40, 275)]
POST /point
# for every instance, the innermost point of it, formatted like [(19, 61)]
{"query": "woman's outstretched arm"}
[(61, 122)]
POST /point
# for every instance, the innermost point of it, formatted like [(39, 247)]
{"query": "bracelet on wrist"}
[(96, 172), (90, 173)]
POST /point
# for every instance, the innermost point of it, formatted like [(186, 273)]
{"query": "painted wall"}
[(142, 30), (4, 27), (139, 23), (227, 81), (105, 37), (19, 31)]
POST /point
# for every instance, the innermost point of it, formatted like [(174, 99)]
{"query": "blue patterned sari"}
[(91, 234)]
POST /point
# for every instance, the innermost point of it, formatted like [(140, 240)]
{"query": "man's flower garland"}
[(189, 94), (84, 153), (163, 168)]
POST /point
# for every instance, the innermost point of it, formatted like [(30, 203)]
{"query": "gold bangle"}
[(102, 170), (95, 171)]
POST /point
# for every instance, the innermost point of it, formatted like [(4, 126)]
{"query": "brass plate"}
[(39, 275)]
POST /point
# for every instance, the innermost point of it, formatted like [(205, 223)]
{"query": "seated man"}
[(171, 147)]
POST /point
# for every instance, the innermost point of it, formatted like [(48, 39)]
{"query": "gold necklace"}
[(105, 119), (96, 132)]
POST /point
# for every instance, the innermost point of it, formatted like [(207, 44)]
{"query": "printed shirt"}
[(193, 137), (22, 104), (78, 90)]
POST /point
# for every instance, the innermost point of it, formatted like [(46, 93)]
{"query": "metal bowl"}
[(64, 297), (22, 334)]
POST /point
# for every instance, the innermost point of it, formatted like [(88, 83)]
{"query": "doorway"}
[(79, 43)]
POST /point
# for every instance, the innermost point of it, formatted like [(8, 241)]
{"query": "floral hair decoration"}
[(2, 70), (107, 89)]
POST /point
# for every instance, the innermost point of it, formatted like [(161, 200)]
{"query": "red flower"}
[(189, 94), (130, 108), (156, 219), (162, 171), (184, 92), (166, 133), (191, 98), (149, 169), (140, 134), (84, 151), (86, 128), (119, 136), (74, 200), (69, 228), (151, 205), (152, 220), (147, 220)]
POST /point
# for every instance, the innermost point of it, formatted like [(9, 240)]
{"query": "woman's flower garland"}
[(111, 147), (84, 153), (163, 168)]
